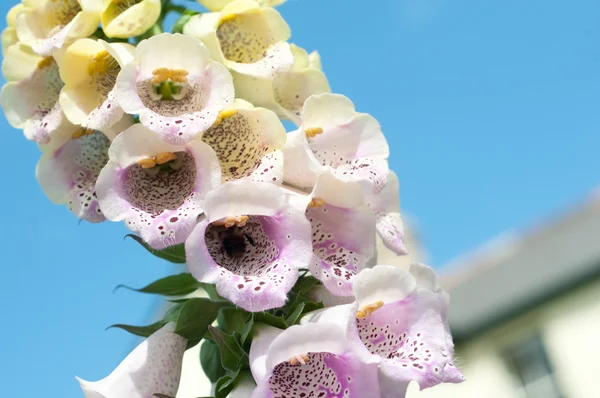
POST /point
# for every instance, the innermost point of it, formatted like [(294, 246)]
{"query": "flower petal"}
[(153, 367), (119, 20), (312, 360), (248, 142), (385, 283), (256, 264), (162, 202), (386, 206)]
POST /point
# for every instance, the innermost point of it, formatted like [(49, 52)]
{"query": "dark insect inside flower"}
[(235, 241)]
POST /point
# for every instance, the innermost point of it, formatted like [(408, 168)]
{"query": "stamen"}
[(316, 202), (44, 62), (82, 131), (147, 163), (165, 157), (367, 310), (100, 63), (224, 115), (239, 221), (164, 74), (299, 359), (227, 18), (312, 132)]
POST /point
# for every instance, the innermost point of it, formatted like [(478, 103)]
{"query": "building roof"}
[(519, 271)]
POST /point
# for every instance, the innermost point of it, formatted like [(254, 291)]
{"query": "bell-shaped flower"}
[(89, 69), (153, 367), (157, 188), (250, 244), (218, 5), (399, 320), (247, 38), (30, 97), (333, 136), (248, 142), (311, 360), (9, 34), (70, 165), (174, 86), (287, 91), (343, 232), (126, 18), (48, 25), (386, 206)]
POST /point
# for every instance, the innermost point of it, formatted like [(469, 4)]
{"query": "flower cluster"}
[(180, 136)]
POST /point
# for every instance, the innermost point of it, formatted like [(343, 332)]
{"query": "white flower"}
[(30, 97), (129, 18), (174, 86), (70, 165), (287, 91), (48, 25), (153, 367), (248, 142), (9, 34), (89, 69), (386, 206), (333, 136), (399, 320), (343, 232), (158, 189), (218, 5), (247, 38), (250, 244), (312, 360)]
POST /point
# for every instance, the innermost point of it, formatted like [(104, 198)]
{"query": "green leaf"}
[(304, 284), (196, 315), (174, 254), (143, 331), (172, 313), (225, 385), (247, 328), (232, 354), (231, 319), (270, 319), (183, 20), (210, 359), (310, 306), (295, 314), (173, 285)]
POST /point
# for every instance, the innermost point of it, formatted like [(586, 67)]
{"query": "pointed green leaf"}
[(174, 254), (232, 354), (247, 328), (172, 285), (210, 359), (143, 331), (231, 319), (294, 315), (270, 319), (225, 385), (196, 315)]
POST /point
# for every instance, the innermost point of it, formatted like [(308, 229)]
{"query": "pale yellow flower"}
[(248, 142), (247, 38), (286, 92), (218, 5), (9, 34), (49, 25), (128, 18), (30, 96), (89, 69)]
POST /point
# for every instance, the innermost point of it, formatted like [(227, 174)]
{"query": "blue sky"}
[(491, 110)]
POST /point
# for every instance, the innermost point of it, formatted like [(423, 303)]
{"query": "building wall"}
[(569, 327)]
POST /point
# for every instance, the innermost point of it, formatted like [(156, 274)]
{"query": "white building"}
[(525, 313)]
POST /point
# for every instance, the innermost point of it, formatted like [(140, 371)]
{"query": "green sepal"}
[(142, 331), (183, 20), (174, 254), (196, 315), (233, 355), (173, 285)]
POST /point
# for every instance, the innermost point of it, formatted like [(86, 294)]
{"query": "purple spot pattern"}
[(237, 144), (325, 375)]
